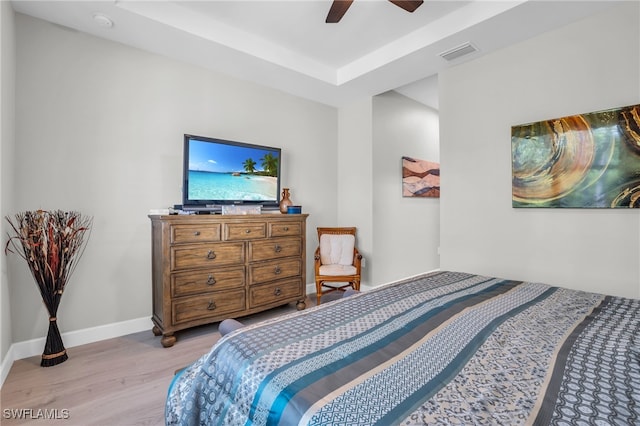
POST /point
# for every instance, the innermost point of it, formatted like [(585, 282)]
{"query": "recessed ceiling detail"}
[(103, 20), (286, 45)]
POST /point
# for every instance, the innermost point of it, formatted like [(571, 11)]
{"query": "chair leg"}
[(356, 285), (318, 291)]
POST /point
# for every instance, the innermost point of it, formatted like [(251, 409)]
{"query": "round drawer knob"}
[(211, 255)]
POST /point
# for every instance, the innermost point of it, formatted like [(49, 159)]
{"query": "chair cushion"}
[(337, 270), (337, 249)]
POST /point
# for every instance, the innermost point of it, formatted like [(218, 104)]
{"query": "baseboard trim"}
[(7, 362), (29, 348), (311, 288)]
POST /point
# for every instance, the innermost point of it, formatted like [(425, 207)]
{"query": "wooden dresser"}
[(206, 268)]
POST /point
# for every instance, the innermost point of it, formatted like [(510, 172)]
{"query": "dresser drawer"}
[(206, 255), (285, 229), (265, 294), (274, 248), (190, 283), (195, 233), (245, 231), (274, 270), (217, 304)]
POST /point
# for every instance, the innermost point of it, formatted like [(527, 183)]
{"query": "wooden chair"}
[(337, 261)]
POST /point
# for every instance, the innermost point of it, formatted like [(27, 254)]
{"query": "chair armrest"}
[(316, 261), (357, 259)]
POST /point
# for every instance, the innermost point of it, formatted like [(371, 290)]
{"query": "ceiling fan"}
[(339, 8)]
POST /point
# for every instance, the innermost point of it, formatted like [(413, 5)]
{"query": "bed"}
[(441, 348)]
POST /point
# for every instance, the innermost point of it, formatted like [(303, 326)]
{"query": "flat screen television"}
[(219, 172)]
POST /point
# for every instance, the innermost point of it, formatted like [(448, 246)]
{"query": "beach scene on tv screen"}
[(229, 172)]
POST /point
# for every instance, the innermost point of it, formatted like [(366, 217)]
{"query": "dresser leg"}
[(301, 304), (168, 340), (156, 331)]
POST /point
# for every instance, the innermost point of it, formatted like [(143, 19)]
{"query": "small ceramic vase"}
[(286, 201)]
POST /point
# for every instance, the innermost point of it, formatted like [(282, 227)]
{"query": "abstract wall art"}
[(420, 178), (581, 161)]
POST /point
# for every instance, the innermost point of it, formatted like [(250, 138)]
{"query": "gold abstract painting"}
[(420, 178), (581, 161)]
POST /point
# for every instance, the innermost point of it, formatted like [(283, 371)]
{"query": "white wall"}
[(397, 236), (355, 184), (407, 230), (99, 129), (7, 137), (587, 66)]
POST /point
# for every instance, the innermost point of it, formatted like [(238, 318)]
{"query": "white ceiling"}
[(287, 45)]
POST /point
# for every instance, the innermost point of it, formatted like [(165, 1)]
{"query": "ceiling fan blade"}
[(337, 11), (407, 5)]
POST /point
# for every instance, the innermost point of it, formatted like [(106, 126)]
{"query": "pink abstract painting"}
[(420, 178)]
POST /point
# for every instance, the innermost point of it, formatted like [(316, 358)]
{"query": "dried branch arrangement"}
[(52, 243)]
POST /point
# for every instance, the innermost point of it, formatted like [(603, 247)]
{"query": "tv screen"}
[(219, 172)]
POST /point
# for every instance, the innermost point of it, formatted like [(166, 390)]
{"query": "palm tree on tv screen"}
[(249, 165), (270, 164)]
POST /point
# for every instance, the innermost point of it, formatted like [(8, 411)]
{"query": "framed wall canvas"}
[(581, 161), (420, 178)]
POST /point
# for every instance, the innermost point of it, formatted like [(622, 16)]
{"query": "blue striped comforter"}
[(443, 348)]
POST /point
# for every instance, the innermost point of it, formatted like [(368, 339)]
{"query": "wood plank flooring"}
[(114, 382)]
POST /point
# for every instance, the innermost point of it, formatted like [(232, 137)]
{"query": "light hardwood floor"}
[(115, 382)]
